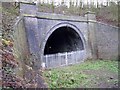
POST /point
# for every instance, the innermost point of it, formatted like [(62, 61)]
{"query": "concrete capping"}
[(90, 15), (60, 17), (107, 24), (18, 20), (89, 12), (94, 21), (26, 2), (53, 16), (29, 15), (66, 18)]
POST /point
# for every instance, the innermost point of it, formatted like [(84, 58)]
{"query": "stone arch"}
[(54, 28)]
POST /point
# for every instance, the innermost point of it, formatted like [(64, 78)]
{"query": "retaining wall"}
[(107, 41), (21, 48)]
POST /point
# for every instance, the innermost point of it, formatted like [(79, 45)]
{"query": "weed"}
[(74, 76)]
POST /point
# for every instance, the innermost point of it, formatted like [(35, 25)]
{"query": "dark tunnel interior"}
[(63, 39)]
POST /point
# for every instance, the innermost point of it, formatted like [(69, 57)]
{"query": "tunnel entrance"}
[(63, 39)]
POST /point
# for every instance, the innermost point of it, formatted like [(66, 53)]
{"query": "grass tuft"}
[(75, 76)]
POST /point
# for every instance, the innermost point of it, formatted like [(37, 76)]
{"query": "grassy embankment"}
[(92, 73)]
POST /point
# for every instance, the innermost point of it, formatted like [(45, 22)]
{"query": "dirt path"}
[(101, 79), (34, 77), (39, 80)]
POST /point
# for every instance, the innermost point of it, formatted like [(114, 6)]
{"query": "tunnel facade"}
[(56, 40), (63, 45)]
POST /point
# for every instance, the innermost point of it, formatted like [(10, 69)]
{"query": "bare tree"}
[(87, 4), (53, 7), (63, 2), (80, 6), (108, 1), (70, 3), (97, 4), (77, 2)]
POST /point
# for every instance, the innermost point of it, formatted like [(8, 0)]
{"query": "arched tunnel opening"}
[(63, 39)]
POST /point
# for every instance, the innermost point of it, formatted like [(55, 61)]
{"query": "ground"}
[(89, 74)]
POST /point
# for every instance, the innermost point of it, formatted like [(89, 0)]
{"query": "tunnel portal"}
[(63, 39), (55, 40)]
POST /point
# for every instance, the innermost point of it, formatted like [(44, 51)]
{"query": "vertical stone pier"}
[(29, 13), (91, 26)]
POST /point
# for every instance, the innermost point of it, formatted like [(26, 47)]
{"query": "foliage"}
[(107, 14), (10, 79), (53, 7), (74, 76)]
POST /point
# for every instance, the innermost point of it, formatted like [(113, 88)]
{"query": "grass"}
[(75, 76)]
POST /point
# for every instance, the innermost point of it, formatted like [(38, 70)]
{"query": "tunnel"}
[(63, 39)]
